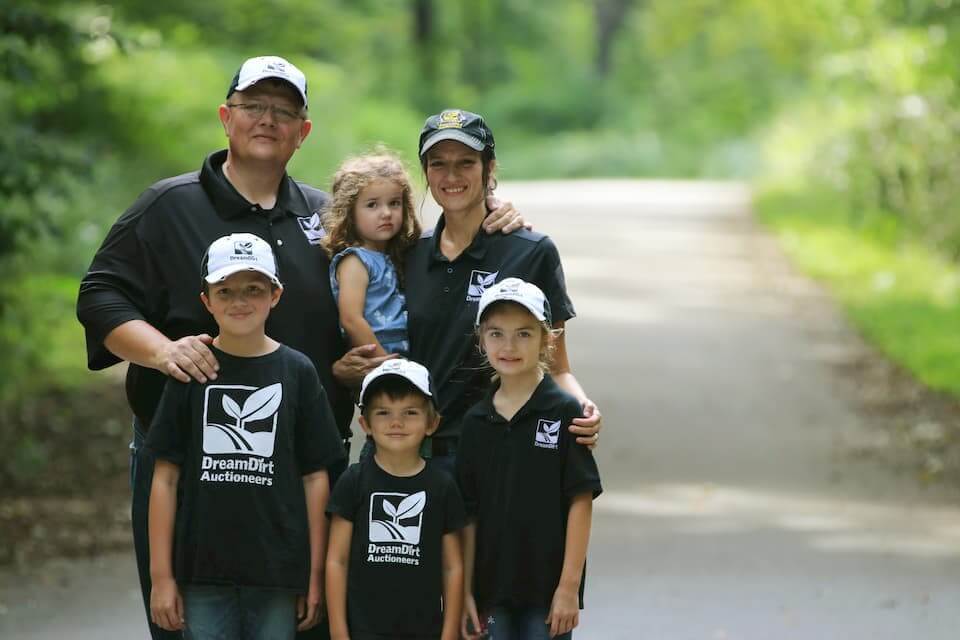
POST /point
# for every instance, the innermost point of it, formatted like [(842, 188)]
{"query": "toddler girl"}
[(370, 225)]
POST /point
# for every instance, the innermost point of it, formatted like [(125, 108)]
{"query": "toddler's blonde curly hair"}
[(353, 175)]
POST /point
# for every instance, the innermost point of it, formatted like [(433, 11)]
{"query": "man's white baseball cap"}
[(256, 69), (414, 372), (516, 290), (239, 252)]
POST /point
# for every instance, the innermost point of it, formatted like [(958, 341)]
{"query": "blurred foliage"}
[(853, 99)]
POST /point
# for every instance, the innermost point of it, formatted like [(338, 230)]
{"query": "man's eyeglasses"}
[(256, 110)]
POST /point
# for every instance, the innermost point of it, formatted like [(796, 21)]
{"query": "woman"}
[(450, 266)]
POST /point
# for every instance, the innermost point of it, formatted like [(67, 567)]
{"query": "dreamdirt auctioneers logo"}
[(239, 431), (548, 434), (480, 281), (395, 523), (312, 228)]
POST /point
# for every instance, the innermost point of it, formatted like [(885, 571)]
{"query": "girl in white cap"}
[(527, 486)]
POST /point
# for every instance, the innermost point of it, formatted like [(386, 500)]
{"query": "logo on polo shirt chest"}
[(548, 434), (312, 228), (480, 281)]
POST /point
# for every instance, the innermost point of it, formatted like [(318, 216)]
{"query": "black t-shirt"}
[(243, 443), (148, 268), (442, 299), (517, 480), (395, 580)]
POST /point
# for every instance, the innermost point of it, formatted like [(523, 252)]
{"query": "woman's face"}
[(455, 176)]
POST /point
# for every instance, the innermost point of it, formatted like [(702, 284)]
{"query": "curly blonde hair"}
[(349, 180)]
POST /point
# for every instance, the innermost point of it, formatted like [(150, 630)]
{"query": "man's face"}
[(270, 138)]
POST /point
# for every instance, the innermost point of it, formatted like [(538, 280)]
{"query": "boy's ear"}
[(275, 294), (434, 423), (206, 301), (364, 425)]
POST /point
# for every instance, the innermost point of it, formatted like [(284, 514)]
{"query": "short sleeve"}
[(169, 435), (466, 475), (318, 443), (553, 282), (580, 472), (344, 500), (373, 266), (116, 287), (454, 514)]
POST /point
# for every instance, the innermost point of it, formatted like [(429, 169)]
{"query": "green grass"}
[(903, 296)]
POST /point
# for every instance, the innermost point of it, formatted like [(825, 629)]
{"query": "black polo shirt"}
[(517, 478), (442, 297), (148, 268)]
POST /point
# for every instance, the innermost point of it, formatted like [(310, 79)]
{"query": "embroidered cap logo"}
[(243, 248)]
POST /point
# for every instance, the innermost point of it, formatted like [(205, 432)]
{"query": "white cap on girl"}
[(516, 290)]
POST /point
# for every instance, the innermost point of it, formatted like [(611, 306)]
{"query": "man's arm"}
[(139, 342), (586, 428), (565, 607), (452, 586), (316, 488), (166, 605), (338, 565)]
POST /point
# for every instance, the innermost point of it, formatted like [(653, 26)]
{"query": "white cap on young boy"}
[(414, 372), (516, 290), (239, 252)]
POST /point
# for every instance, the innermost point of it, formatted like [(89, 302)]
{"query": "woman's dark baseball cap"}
[(455, 124)]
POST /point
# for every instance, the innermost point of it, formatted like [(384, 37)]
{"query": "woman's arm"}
[(166, 605), (586, 428), (316, 488), (338, 565), (565, 608), (353, 278), (452, 586)]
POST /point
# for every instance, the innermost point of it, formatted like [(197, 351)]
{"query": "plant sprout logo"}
[(396, 517), (312, 228), (480, 281), (548, 434), (247, 428), (243, 248)]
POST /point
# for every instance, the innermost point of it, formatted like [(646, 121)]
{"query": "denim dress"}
[(385, 308)]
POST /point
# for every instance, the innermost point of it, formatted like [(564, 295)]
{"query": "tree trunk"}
[(609, 16)]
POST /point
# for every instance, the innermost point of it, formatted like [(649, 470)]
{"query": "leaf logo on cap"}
[(243, 247)]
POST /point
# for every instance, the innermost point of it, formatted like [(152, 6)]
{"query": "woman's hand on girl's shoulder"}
[(587, 428), (503, 217)]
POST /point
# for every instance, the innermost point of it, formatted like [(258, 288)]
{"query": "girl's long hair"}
[(349, 180)]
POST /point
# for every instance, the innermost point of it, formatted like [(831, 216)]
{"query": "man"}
[(140, 302)]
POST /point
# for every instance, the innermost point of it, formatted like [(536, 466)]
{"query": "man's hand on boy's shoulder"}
[(186, 358)]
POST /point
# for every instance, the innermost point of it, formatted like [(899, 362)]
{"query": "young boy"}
[(242, 555), (394, 542)]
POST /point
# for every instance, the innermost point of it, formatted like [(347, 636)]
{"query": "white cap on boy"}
[(519, 291), (239, 252), (413, 372)]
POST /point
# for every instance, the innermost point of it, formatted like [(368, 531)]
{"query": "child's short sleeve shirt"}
[(395, 580), (385, 307), (517, 478), (243, 443)]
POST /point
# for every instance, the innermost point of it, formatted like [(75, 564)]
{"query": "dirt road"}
[(735, 508)]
